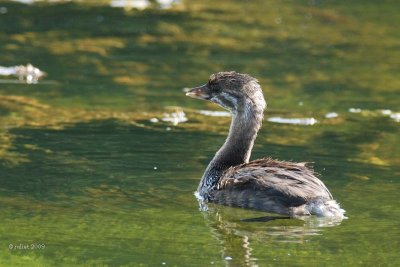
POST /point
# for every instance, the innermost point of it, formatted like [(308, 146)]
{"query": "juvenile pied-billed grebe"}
[(264, 184)]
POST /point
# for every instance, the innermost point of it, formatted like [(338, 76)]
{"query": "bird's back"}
[(272, 186)]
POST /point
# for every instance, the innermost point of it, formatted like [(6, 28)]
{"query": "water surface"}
[(92, 175)]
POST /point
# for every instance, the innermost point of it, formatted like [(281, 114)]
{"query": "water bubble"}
[(278, 20), (228, 258), (155, 168), (153, 120)]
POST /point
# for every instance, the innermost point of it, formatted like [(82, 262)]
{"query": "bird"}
[(266, 184)]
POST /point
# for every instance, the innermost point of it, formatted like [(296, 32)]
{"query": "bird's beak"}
[(201, 92)]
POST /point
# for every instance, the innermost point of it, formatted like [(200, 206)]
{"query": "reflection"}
[(8, 156), (236, 231), (19, 112), (236, 249)]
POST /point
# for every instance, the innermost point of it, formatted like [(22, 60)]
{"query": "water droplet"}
[(155, 168), (228, 258)]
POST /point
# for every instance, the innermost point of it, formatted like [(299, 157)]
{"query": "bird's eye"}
[(212, 85)]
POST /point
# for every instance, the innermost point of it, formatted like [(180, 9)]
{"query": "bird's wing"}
[(294, 181)]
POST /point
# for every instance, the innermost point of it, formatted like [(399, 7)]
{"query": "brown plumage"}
[(264, 184), (256, 184)]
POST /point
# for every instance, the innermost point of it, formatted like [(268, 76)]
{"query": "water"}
[(28, 73), (89, 178)]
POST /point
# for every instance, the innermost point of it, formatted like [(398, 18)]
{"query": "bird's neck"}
[(236, 149)]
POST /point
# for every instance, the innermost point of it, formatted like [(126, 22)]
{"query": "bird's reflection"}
[(235, 229)]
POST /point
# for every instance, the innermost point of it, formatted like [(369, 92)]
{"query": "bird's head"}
[(231, 90)]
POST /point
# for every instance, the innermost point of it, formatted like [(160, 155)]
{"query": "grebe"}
[(265, 184)]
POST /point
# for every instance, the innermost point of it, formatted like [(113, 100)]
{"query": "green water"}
[(87, 178)]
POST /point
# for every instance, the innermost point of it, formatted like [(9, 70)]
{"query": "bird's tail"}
[(328, 208)]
